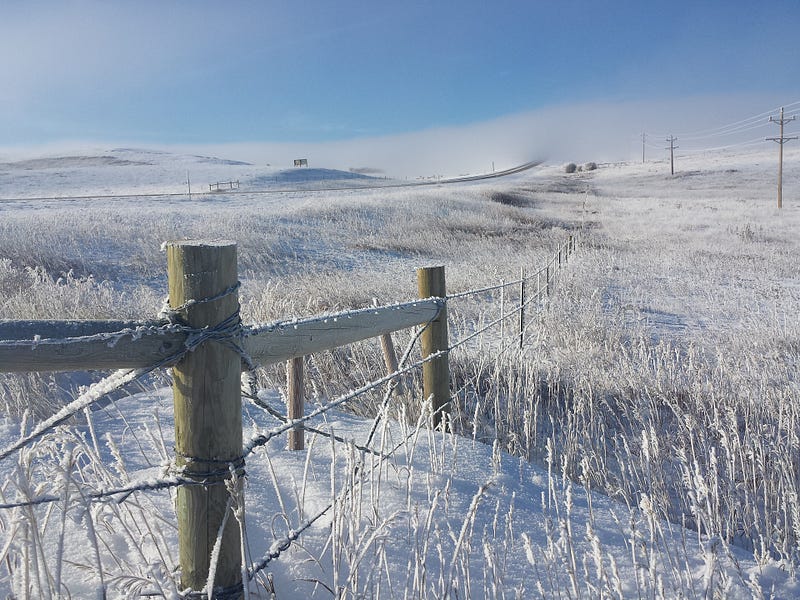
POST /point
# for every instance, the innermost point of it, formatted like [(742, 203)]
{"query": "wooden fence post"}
[(502, 311), (521, 307), (538, 289), (547, 279), (435, 373), (296, 398), (208, 412), (389, 356)]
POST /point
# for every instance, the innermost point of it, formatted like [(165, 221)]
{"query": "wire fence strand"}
[(232, 332)]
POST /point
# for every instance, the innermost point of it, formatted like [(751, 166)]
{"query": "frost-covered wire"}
[(284, 419), (505, 284), (483, 290), (387, 396), (278, 547), (263, 438), (96, 392), (125, 491), (497, 321)]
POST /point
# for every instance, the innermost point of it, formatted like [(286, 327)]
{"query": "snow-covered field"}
[(645, 443)]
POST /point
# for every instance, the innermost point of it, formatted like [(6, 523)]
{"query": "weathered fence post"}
[(208, 413), (521, 307), (389, 356), (436, 372), (547, 279), (296, 398), (502, 311), (538, 290)]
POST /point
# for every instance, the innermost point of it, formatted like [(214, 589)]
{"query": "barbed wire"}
[(226, 332), (231, 332), (264, 438), (506, 284), (284, 419), (280, 546)]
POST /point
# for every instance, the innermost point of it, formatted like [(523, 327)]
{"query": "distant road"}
[(495, 175), (511, 171)]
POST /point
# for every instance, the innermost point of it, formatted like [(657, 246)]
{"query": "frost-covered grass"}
[(662, 373)]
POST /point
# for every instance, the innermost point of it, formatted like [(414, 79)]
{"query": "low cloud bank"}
[(599, 131)]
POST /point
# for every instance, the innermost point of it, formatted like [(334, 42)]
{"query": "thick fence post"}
[(436, 372), (296, 397), (208, 413)]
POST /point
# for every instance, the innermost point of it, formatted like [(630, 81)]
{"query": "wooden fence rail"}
[(82, 345), (206, 390)]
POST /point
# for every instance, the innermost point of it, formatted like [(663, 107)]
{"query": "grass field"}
[(655, 406)]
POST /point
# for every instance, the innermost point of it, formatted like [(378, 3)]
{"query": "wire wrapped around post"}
[(208, 417)]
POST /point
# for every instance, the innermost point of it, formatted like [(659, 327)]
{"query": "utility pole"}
[(671, 139), (781, 141), (644, 137)]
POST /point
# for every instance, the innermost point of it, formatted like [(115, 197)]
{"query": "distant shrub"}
[(590, 166), (570, 168)]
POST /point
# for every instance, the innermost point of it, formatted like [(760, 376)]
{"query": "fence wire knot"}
[(228, 332), (216, 470)]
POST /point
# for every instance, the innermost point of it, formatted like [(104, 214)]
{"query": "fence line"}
[(145, 346)]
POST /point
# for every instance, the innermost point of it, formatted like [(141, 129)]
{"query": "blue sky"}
[(247, 72)]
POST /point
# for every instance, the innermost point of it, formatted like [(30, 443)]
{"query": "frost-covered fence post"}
[(208, 413), (296, 401), (547, 279), (436, 372), (538, 289), (502, 311), (389, 356), (521, 307)]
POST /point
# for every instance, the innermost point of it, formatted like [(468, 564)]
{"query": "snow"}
[(126, 171), (443, 516)]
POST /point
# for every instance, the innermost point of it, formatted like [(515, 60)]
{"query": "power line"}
[(739, 126), (751, 142), (733, 127)]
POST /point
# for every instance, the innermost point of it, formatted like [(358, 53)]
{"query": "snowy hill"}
[(662, 370), (126, 171)]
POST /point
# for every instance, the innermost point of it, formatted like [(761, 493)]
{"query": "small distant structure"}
[(222, 186), (300, 162)]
